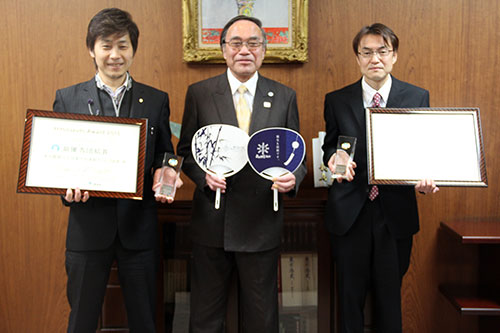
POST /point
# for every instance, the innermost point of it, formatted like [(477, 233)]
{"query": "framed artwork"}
[(284, 21)]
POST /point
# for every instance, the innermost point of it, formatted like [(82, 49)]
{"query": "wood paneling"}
[(449, 47)]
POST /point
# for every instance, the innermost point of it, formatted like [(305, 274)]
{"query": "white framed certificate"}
[(443, 144), (102, 155)]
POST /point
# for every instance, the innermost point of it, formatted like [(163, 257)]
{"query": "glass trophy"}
[(345, 153), (171, 167)]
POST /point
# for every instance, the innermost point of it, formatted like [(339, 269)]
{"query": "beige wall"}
[(449, 47)]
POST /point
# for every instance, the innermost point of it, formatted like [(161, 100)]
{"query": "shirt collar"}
[(101, 85), (234, 83), (368, 92)]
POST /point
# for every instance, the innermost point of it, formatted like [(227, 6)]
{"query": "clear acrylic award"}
[(171, 167), (346, 146)]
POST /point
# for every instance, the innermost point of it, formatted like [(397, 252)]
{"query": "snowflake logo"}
[(262, 148)]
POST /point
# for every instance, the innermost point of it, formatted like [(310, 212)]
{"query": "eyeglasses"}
[(381, 53), (250, 44)]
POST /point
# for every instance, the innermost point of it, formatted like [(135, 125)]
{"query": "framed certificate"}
[(443, 144), (102, 155)]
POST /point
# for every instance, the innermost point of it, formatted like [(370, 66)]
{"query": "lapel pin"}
[(141, 100), (267, 104), (270, 94)]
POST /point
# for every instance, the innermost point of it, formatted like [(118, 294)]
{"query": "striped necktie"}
[(375, 104)]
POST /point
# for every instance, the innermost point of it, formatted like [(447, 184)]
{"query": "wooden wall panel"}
[(449, 47)]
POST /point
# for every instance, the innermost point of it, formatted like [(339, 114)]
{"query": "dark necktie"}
[(375, 104)]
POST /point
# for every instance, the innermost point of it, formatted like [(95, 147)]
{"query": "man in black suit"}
[(102, 230), (372, 226), (244, 234)]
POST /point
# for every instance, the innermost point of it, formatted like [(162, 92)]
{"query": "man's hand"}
[(351, 165), (76, 196), (215, 182), (171, 176), (425, 186), (284, 183)]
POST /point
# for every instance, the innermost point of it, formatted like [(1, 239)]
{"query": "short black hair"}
[(239, 18), (376, 29), (111, 21)]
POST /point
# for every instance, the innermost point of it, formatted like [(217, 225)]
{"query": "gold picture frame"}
[(202, 44)]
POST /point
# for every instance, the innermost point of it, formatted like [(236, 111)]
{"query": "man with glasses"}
[(244, 234), (372, 226)]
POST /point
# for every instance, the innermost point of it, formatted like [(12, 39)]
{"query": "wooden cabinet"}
[(483, 298), (305, 244), (114, 315)]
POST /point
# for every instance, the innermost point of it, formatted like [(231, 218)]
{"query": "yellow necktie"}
[(242, 110)]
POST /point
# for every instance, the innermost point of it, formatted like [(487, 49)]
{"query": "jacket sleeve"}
[(164, 140), (58, 105), (294, 123), (332, 131), (189, 127)]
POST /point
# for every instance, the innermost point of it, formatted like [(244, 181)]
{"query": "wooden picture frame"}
[(286, 28), (104, 155), (406, 145)]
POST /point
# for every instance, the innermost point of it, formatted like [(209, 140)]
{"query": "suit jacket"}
[(246, 220), (345, 115), (93, 225)]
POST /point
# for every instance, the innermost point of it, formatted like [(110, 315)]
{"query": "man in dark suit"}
[(102, 230), (372, 226), (244, 234)]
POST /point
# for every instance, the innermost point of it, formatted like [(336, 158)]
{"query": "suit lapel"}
[(137, 102), (223, 100), (92, 97), (262, 105), (394, 99), (356, 102)]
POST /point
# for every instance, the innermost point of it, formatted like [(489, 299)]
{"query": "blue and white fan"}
[(275, 151)]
